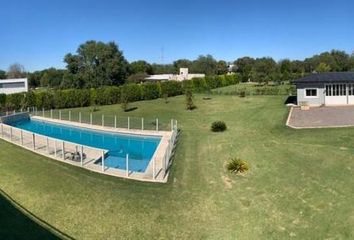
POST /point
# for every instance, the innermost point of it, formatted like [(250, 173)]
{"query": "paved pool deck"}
[(321, 117)]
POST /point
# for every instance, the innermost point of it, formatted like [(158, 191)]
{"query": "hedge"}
[(70, 98)]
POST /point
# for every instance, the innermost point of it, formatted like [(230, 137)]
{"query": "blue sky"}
[(39, 33)]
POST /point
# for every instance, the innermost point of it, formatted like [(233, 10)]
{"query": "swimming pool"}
[(140, 148)]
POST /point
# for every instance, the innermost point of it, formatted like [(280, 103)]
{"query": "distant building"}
[(9, 86), (183, 75)]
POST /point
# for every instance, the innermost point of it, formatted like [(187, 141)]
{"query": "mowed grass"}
[(300, 184)]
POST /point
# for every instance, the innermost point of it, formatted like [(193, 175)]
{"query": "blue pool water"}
[(140, 149)]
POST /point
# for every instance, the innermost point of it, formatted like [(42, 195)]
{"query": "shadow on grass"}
[(130, 109), (17, 223)]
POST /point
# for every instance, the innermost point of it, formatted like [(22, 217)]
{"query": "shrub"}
[(151, 91), (171, 88), (236, 165), (218, 126), (242, 94), (189, 100)]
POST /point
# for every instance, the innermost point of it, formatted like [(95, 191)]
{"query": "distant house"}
[(332, 88), (183, 75), (9, 86)]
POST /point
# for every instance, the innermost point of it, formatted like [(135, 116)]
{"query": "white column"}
[(91, 118), (102, 120), (128, 123), (115, 121), (63, 149), (21, 133), (102, 161), (157, 124), (142, 124), (127, 164)]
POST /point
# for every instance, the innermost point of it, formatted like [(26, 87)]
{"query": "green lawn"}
[(300, 184), (255, 89)]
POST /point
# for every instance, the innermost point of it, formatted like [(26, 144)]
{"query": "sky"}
[(39, 33)]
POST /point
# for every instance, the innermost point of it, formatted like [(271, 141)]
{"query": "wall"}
[(16, 88), (311, 101)]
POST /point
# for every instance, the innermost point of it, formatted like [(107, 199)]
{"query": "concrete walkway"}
[(321, 117)]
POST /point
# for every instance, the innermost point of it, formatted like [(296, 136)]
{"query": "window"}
[(12, 85), (311, 92)]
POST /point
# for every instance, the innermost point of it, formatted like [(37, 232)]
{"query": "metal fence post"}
[(82, 154), (55, 148), (102, 120), (102, 161), (10, 133), (128, 123), (63, 149), (2, 130), (142, 124), (157, 124), (153, 169), (171, 125), (70, 116), (34, 141), (42, 112), (91, 118), (51, 113), (59, 114), (115, 121), (79, 117), (36, 111), (48, 146), (21, 133), (127, 165)]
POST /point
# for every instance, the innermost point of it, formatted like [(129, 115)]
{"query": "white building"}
[(9, 86), (183, 75)]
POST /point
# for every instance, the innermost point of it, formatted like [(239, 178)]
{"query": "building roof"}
[(327, 77)]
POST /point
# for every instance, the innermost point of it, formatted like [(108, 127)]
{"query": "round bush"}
[(218, 126)]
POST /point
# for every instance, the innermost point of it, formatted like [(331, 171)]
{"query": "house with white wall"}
[(9, 86), (183, 75)]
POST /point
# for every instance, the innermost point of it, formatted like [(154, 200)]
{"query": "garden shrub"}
[(171, 88), (151, 91), (218, 126), (189, 100), (236, 165)]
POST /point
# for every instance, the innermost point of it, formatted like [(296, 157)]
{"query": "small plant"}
[(165, 97), (189, 100), (218, 126), (242, 94), (124, 102), (236, 165), (94, 108)]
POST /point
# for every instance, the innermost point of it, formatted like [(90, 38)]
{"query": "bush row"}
[(267, 90), (70, 98)]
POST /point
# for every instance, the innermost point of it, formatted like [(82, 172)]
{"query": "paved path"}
[(339, 116)]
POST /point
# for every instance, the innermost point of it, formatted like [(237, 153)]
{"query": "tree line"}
[(96, 64)]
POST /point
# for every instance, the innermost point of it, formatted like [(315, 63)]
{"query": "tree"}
[(285, 69), (52, 77), (182, 63), (2, 74), (244, 66), (141, 66), (221, 67), (189, 100), (323, 67), (265, 68), (16, 70), (96, 64), (205, 64)]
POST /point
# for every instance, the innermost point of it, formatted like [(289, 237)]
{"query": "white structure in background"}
[(9, 86), (183, 75)]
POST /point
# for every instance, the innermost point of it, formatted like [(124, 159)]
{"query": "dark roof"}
[(327, 77)]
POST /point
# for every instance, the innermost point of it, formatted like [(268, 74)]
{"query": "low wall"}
[(14, 117)]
